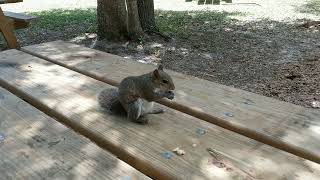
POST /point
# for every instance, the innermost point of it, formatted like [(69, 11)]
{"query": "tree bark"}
[(112, 20), (134, 27), (146, 15)]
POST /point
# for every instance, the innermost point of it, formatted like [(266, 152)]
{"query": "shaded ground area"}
[(269, 56)]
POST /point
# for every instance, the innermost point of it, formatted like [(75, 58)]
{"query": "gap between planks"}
[(269, 140)]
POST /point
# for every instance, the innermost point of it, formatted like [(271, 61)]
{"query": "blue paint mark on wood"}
[(201, 131), (126, 178), (248, 102), (228, 114), (2, 138), (167, 155)]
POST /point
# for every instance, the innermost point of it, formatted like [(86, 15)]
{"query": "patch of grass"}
[(312, 7), (59, 19), (176, 23), (68, 24), (181, 23)]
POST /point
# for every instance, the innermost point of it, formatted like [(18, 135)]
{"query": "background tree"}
[(125, 19), (112, 20), (146, 15)]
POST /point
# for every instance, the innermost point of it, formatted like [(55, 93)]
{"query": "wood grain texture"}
[(71, 98), (20, 21), (10, 1), (20, 24), (21, 17), (35, 146), (7, 29), (286, 126)]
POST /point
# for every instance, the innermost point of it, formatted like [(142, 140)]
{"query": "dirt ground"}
[(261, 51), (283, 64)]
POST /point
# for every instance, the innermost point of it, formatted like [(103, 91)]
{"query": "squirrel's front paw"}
[(170, 95)]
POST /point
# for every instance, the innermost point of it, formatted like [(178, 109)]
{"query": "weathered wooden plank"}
[(286, 126), (7, 27), (35, 146), (21, 17), (10, 1), (71, 98), (19, 20)]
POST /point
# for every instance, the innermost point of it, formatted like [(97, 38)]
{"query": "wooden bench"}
[(20, 20), (212, 152), (35, 146), (10, 21), (9, 1)]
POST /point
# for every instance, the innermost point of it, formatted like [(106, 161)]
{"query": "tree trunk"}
[(112, 20), (134, 27), (118, 20), (208, 1), (146, 15)]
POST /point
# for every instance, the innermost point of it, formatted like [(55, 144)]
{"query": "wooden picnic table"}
[(10, 1), (224, 131), (9, 21)]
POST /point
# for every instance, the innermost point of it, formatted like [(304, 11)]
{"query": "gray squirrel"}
[(135, 95)]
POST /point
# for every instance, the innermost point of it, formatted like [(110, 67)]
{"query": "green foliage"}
[(59, 19), (175, 23), (180, 23), (312, 7)]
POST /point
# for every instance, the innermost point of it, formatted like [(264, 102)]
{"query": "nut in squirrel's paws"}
[(170, 95)]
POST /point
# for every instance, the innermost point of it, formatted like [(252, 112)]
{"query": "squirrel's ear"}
[(156, 74), (160, 67)]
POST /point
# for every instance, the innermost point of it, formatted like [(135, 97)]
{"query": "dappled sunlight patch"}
[(81, 38), (303, 175), (213, 171), (89, 118), (77, 56), (315, 129), (181, 94), (76, 103), (27, 131), (281, 168), (150, 60), (90, 150), (198, 109), (258, 162), (296, 137), (183, 23), (40, 74), (42, 166), (156, 45), (84, 168)]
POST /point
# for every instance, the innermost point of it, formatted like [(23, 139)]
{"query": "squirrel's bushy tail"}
[(108, 99)]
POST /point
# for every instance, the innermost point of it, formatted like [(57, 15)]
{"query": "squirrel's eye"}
[(165, 81)]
